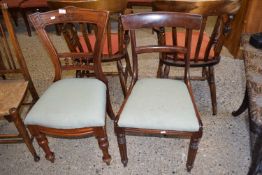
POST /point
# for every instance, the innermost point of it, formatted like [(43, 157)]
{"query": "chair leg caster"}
[(36, 158), (50, 157)]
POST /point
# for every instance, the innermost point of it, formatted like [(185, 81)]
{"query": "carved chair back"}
[(115, 47), (67, 60)]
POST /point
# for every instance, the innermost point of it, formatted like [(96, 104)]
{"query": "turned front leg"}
[(103, 144)]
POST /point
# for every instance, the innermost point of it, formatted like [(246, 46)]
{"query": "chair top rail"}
[(160, 19)]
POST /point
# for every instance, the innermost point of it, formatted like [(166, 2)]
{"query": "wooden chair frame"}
[(224, 10), (116, 8), (14, 63), (152, 20), (73, 15)]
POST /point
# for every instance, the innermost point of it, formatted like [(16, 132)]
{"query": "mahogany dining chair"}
[(158, 106), (72, 107)]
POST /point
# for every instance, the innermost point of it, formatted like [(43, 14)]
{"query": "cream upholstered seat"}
[(56, 107), (159, 104)]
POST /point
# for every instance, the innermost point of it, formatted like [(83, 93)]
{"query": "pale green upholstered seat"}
[(159, 104), (70, 103)]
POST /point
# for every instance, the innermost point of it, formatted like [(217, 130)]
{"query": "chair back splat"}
[(206, 48), (115, 46), (72, 106), (14, 84), (154, 105)]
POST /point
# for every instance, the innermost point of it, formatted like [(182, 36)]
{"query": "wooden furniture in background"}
[(24, 7), (31, 5), (13, 8), (115, 47), (247, 20), (252, 101), (205, 50), (131, 3), (160, 106), (72, 107), (13, 89)]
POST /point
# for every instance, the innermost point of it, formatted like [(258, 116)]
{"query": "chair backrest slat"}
[(166, 19), (200, 38)]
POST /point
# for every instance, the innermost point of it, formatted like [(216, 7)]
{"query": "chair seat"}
[(114, 41), (11, 94), (161, 104), (70, 104), (181, 42)]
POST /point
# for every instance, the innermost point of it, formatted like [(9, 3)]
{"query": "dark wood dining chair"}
[(115, 47), (72, 107), (160, 106), (29, 6), (205, 52), (14, 84)]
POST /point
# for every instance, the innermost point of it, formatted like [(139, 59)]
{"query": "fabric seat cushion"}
[(12, 93), (181, 42), (69, 104), (114, 41), (161, 104)]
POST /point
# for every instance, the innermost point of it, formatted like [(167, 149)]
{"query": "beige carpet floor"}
[(223, 150)]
